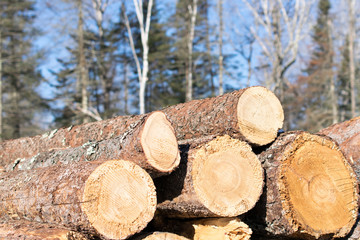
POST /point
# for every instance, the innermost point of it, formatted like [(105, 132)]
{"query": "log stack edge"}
[(206, 169)]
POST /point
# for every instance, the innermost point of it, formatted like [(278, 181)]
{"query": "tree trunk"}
[(115, 199), (37, 231), (252, 114), (311, 190), (209, 67), (221, 84), (147, 139), (221, 177), (329, 55), (192, 12), (1, 89), (352, 37), (82, 68)]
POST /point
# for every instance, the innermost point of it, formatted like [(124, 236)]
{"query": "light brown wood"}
[(13, 230), (148, 140), (162, 236), (115, 199), (311, 188), (222, 177), (221, 229), (252, 114)]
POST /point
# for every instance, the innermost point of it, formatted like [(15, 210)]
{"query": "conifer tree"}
[(317, 86), (20, 76)]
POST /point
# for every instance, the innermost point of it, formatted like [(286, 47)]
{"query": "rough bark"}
[(311, 190), (347, 135), (252, 114), (222, 177), (148, 140), (115, 199), (37, 231)]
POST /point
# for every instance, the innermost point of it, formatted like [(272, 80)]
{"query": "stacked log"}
[(222, 177), (252, 114), (96, 198), (122, 178), (149, 140), (311, 189)]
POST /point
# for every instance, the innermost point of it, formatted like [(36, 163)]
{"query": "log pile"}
[(207, 169)]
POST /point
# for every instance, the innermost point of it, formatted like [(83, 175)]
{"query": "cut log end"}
[(260, 115), (159, 143), (162, 236), (221, 229), (318, 187), (119, 199), (227, 176)]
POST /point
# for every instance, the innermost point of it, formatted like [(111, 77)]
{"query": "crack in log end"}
[(260, 115), (126, 199), (314, 169)]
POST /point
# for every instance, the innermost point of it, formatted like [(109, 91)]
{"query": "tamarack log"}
[(149, 142), (221, 177), (311, 190), (252, 114), (112, 199)]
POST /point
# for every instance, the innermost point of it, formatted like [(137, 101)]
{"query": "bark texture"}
[(347, 135), (311, 190), (36, 231), (252, 114), (341, 132), (222, 177), (95, 198), (149, 141)]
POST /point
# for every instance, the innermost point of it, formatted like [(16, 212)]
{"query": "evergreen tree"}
[(343, 85), (203, 69), (19, 74), (317, 85)]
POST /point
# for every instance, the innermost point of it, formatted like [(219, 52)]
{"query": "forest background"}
[(66, 62)]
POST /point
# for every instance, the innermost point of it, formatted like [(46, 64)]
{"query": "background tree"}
[(20, 77), (317, 86)]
